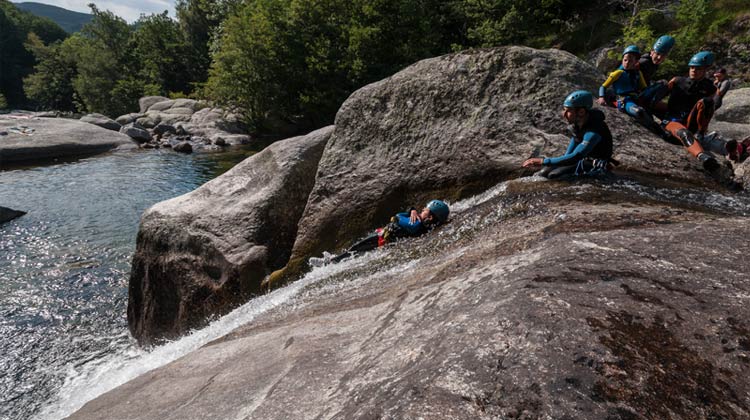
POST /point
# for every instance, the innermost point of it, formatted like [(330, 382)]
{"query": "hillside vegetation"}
[(288, 64), (69, 20)]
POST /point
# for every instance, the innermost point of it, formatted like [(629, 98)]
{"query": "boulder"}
[(541, 300), (449, 126), (42, 139), (147, 101), (102, 121), (6, 214), (183, 147), (735, 107), (129, 118), (206, 252), (164, 128), (161, 106), (137, 133)]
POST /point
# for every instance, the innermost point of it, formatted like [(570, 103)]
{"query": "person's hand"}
[(413, 217), (532, 162), (601, 101)]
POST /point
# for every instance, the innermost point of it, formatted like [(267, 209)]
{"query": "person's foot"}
[(709, 163), (733, 153)]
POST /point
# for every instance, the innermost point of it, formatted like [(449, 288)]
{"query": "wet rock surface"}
[(6, 214), (607, 299), (448, 127), (29, 138), (206, 252)]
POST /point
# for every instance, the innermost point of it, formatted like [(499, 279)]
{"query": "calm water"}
[(64, 266)]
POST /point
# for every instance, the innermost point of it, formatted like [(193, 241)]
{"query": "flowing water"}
[(64, 266)]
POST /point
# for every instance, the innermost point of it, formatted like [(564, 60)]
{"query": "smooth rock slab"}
[(55, 138), (623, 309)]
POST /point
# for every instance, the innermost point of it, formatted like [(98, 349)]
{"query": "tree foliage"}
[(16, 62)]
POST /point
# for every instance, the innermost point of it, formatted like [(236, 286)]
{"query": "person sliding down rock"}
[(590, 148), (402, 225)]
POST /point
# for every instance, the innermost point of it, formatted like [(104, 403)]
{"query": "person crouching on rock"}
[(407, 224), (590, 148)]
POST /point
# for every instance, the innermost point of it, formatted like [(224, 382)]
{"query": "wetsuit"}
[(400, 226), (649, 98), (647, 67), (589, 150), (627, 84), (689, 112)]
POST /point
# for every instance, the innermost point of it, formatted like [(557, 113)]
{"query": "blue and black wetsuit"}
[(399, 227), (589, 150), (627, 85)]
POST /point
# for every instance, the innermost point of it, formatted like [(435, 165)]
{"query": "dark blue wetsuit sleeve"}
[(404, 223), (590, 140)]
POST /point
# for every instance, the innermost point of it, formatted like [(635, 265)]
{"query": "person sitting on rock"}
[(648, 64), (590, 149), (723, 84), (689, 110), (627, 82), (407, 224)]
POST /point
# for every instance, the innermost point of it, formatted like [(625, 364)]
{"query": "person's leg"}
[(559, 171), (681, 133), (700, 116), (367, 244)]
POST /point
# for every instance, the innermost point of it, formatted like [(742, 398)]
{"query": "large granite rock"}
[(102, 121), (6, 214), (205, 252), (447, 127), (50, 138), (548, 301), (735, 107), (147, 101)]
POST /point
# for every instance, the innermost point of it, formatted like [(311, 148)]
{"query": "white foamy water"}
[(88, 380)]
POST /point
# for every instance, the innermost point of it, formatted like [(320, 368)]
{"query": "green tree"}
[(106, 68), (51, 86), (162, 54), (16, 62)]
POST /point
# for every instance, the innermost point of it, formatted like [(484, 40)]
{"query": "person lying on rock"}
[(648, 64), (627, 81), (689, 110), (590, 149), (407, 224)]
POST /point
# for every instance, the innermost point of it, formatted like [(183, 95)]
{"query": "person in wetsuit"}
[(627, 82), (406, 224), (648, 64), (590, 149), (689, 111)]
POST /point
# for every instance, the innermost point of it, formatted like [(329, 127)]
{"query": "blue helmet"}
[(632, 49), (702, 59), (579, 99), (664, 44), (439, 209)]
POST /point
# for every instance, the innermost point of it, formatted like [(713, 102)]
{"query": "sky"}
[(130, 10)]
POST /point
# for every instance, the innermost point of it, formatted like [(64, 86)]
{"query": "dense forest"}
[(287, 65)]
